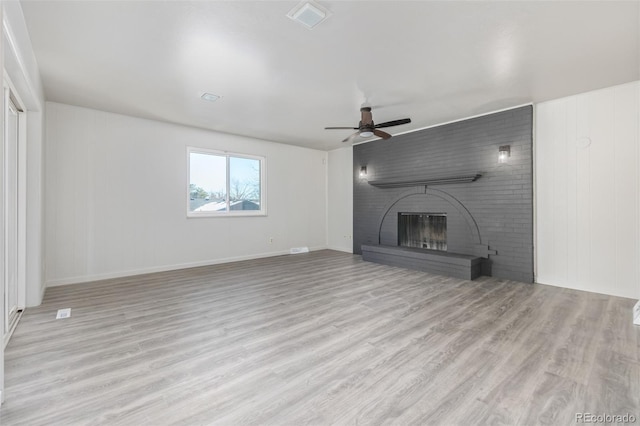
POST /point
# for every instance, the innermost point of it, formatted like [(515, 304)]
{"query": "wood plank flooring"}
[(320, 338)]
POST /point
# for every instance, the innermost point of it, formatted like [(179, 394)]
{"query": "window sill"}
[(227, 215)]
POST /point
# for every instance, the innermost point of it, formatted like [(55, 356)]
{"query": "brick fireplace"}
[(450, 174)]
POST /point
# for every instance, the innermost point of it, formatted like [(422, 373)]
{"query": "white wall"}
[(340, 199), (22, 69), (35, 268), (587, 197), (115, 198)]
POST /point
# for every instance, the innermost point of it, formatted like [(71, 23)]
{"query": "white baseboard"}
[(342, 249), (575, 287), (164, 268)]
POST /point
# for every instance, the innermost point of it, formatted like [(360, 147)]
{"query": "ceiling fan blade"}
[(393, 123), (352, 137), (367, 118), (333, 128), (380, 133)]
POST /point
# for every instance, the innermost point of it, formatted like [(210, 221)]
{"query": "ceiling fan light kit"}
[(367, 128)]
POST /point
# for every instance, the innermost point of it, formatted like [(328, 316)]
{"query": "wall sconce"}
[(504, 152), (363, 172)]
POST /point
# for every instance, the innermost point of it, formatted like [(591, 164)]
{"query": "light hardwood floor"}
[(320, 338)]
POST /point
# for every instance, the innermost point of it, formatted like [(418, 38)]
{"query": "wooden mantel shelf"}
[(426, 182)]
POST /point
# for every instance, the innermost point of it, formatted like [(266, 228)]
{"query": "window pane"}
[(207, 182), (244, 184)]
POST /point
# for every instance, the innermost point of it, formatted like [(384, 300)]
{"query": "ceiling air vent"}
[(210, 97), (308, 13)]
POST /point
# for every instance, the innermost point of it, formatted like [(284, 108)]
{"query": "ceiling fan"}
[(366, 128)]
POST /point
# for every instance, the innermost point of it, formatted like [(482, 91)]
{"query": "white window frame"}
[(228, 213)]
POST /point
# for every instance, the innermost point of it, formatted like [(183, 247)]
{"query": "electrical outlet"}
[(270, 240), (63, 313)]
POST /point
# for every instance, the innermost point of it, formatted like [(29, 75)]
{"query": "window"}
[(223, 184)]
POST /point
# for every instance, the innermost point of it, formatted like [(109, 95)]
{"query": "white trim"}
[(22, 206), (175, 267), (7, 337), (450, 122), (228, 155), (19, 105), (342, 249), (577, 287), (12, 103), (588, 92), (534, 200), (325, 162), (10, 43)]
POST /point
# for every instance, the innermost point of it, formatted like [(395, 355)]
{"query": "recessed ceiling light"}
[(308, 13), (210, 97)]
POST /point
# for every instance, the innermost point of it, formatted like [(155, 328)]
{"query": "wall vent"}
[(298, 250), (308, 13)]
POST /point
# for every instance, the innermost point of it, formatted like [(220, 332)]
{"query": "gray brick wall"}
[(500, 202)]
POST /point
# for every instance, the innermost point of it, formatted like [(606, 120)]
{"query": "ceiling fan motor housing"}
[(367, 128)]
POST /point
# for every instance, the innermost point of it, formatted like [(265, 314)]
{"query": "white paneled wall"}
[(340, 199), (116, 191), (588, 191)]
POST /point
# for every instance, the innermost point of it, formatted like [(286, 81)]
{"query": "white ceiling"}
[(430, 61)]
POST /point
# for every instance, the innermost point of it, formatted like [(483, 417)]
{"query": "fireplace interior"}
[(423, 230)]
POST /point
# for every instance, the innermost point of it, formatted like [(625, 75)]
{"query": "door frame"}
[(12, 100), (12, 97)]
